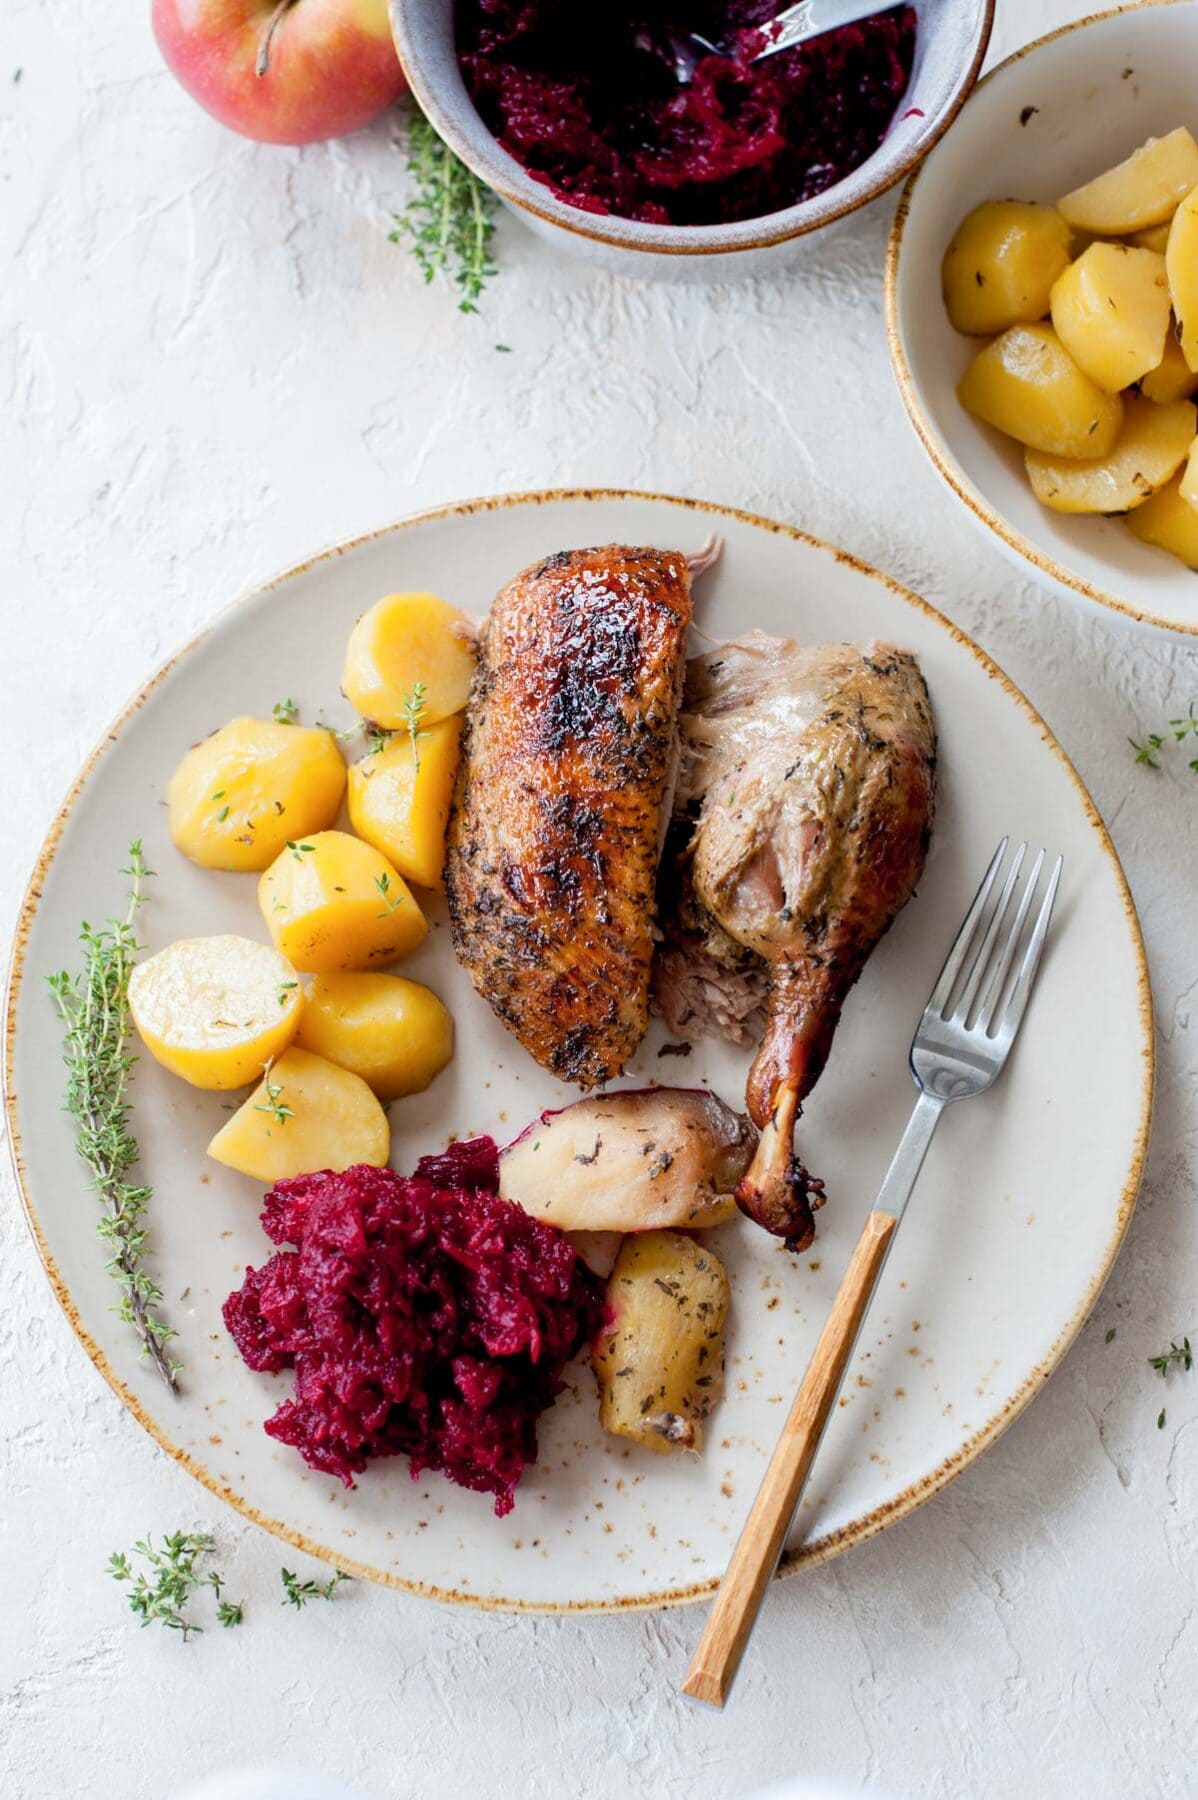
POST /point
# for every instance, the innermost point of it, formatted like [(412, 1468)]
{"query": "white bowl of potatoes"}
[(1042, 311)]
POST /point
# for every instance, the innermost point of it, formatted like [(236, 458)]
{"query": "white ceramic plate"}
[(1019, 1215), (1098, 89)]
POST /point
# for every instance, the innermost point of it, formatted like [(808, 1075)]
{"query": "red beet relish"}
[(423, 1317), (602, 121)]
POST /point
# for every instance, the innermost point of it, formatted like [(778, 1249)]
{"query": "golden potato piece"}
[(1142, 191), (235, 799), (1169, 522), (332, 902), (305, 1114), (215, 1010), (1026, 384), (1188, 488), (1173, 378), (1181, 264), (1155, 238), (660, 1354), (410, 651), (1110, 309), (1001, 264), (399, 799), (394, 1033), (1151, 447)]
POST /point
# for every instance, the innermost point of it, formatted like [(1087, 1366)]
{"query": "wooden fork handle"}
[(715, 1662)]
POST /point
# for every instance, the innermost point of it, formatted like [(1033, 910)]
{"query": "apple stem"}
[(263, 63)]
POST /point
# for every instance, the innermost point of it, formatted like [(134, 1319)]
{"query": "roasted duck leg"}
[(569, 759), (810, 774)]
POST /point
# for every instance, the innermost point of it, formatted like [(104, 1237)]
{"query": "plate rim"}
[(924, 425), (805, 1555)]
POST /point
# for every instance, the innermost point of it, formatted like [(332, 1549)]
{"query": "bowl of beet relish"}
[(578, 119)]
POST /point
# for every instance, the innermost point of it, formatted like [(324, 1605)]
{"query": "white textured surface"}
[(211, 360)]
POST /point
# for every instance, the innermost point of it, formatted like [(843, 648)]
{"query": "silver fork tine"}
[(942, 992), (1003, 967), (1009, 1023), (982, 959)]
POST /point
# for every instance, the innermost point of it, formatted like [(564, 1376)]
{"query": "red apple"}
[(283, 71)]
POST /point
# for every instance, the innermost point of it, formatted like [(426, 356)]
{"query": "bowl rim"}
[(923, 422), (518, 189)]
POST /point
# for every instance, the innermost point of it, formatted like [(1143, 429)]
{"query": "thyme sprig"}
[(160, 1595), (1177, 1356), (94, 1007), (1177, 732), (297, 1593), (449, 222), (414, 706)]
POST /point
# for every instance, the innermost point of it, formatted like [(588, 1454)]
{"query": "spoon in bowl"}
[(685, 50)]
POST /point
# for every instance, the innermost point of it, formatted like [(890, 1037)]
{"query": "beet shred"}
[(422, 1316)]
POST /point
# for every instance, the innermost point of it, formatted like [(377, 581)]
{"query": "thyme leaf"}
[(297, 1593), (159, 1593)]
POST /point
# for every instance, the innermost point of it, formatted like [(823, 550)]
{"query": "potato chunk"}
[(305, 1114), (631, 1161), (399, 799), (215, 1010), (660, 1356), (235, 799), (1188, 488), (1151, 447), (394, 1033), (332, 902), (1110, 309), (1155, 238), (409, 649), (1001, 264), (1181, 264), (1169, 522), (1026, 384), (1144, 190), (1173, 378)]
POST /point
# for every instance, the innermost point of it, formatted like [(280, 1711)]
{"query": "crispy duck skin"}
[(813, 774), (568, 759)]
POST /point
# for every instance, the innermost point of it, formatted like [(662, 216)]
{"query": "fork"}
[(961, 1044)]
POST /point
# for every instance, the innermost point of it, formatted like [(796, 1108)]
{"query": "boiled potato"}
[(215, 1010), (1169, 522), (1189, 476), (1110, 309), (399, 799), (409, 650), (1173, 378), (1027, 385), (394, 1033), (332, 902), (1151, 447), (1001, 264), (235, 799), (1142, 191), (305, 1114), (659, 1355), (1155, 238), (1181, 263)]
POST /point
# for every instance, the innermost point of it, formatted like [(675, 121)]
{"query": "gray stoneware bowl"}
[(950, 44)]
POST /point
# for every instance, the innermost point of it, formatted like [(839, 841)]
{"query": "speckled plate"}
[(1018, 1218)]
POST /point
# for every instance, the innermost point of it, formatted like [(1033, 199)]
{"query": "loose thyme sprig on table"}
[(94, 1006), (160, 1596), (1178, 731), (450, 221), (297, 1593), (1177, 1356)]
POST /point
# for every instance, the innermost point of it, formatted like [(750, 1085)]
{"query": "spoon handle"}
[(811, 18)]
